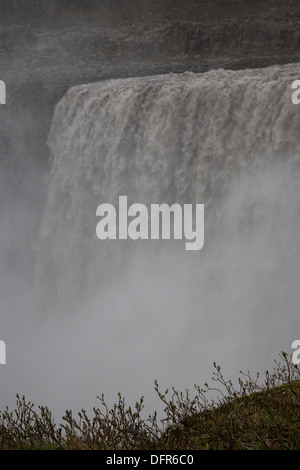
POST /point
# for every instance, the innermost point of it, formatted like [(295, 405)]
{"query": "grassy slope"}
[(253, 416), (264, 420)]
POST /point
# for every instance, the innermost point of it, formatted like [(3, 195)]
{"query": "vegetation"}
[(255, 414)]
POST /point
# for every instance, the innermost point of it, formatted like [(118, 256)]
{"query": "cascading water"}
[(229, 140), (177, 138)]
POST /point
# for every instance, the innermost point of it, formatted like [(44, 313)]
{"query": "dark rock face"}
[(126, 29), (67, 12)]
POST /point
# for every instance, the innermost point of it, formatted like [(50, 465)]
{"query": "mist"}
[(106, 317), (169, 316)]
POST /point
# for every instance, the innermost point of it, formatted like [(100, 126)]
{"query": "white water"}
[(131, 312)]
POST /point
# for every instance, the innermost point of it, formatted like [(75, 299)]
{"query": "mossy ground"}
[(264, 420)]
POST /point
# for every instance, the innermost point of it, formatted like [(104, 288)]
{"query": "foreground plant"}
[(252, 415)]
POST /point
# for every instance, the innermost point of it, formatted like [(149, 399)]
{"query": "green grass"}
[(265, 420), (254, 414)]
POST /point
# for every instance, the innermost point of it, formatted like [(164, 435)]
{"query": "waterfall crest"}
[(176, 138)]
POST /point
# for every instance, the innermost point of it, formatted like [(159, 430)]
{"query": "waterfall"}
[(174, 138), (140, 311)]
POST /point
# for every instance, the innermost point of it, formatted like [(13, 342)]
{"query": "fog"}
[(168, 317)]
